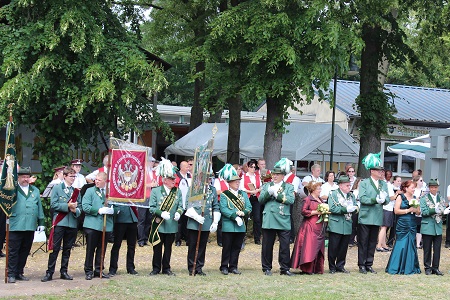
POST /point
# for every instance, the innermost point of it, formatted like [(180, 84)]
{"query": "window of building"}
[(402, 165)]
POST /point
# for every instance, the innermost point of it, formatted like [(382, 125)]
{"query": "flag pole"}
[(106, 204), (7, 216), (205, 186)]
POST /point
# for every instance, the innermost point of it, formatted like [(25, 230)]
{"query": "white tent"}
[(303, 141), (416, 147)]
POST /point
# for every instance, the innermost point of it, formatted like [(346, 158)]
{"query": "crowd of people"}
[(381, 213)]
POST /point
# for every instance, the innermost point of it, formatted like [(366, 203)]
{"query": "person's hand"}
[(109, 210), (176, 216), (199, 219), (239, 221), (103, 210), (351, 208), (190, 213), (379, 200), (438, 210), (272, 190), (165, 215), (447, 211), (240, 213), (40, 228), (213, 228)]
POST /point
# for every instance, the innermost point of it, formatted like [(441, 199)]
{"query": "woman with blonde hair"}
[(309, 249)]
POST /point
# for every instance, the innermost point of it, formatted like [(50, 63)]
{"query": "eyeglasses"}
[(252, 167)]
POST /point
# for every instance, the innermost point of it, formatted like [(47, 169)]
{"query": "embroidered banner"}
[(9, 172), (127, 175)]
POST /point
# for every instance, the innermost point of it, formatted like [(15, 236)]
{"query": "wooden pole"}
[(106, 204), (7, 249)]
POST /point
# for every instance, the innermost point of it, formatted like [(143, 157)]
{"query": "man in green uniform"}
[(93, 204), (277, 198), (373, 194), (166, 207), (26, 215), (342, 204), (64, 201)]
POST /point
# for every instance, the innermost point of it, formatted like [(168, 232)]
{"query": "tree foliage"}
[(74, 72)]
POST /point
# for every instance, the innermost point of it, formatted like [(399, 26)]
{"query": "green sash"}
[(157, 221), (238, 203)]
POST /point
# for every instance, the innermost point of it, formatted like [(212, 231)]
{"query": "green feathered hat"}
[(228, 173), (165, 169), (283, 166), (372, 161), (433, 182)]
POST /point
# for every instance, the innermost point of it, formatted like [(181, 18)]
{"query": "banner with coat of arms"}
[(9, 172), (126, 182)]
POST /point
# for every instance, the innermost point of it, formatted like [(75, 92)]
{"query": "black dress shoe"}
[(153, 273), (66, 276), (141, 244), (427, 272), (131, 272), (47, 277), (89, 276), (371, 270), (104, 276), (22, 278), (169, 273), (268, 273), (288, 273), (257, 242), (342, 270), (178, 243), (224, 271), (447, 245), (332, 271), (200, 273), (437, 272), (362, 270), (11, 279), (2, 254), (235, 271), (219, 244)]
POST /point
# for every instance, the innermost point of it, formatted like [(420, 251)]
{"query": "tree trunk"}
[(273, 137), (234, 129), (199, 86), (215, 117), (369, 141)]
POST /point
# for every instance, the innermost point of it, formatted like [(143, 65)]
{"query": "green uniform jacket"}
[(156, 199), (429, 225), (371, 213), (337, 221), (91, 203), (27, 212), (124, 214), (277, 214), (211, 206), (59, 203), (229, 215)]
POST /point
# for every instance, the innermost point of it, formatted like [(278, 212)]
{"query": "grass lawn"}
[(252, 284)]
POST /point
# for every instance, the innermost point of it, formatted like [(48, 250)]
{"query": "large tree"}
[(74, 72), (281, 46)]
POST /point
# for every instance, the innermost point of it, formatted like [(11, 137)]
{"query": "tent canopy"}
[(416, 147), (303, 141)]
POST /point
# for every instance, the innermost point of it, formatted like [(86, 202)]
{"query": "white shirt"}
[(309, 178), (252, 180), (295, 181), (79, 181), (93, 175), (25, 189), (184, 188), (327, 188)]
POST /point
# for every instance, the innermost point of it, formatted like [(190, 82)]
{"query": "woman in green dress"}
[(404, 258)]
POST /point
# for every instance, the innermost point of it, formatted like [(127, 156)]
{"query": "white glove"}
[(379, 200), (272, 190), (105, 210), (165, 215), (40, 228), (190, 213), (447, 210), (213, 228), (239, 221), (199, 219), (216, 219), (351, 208), (176, 216), (383, 195), (438, 209)]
